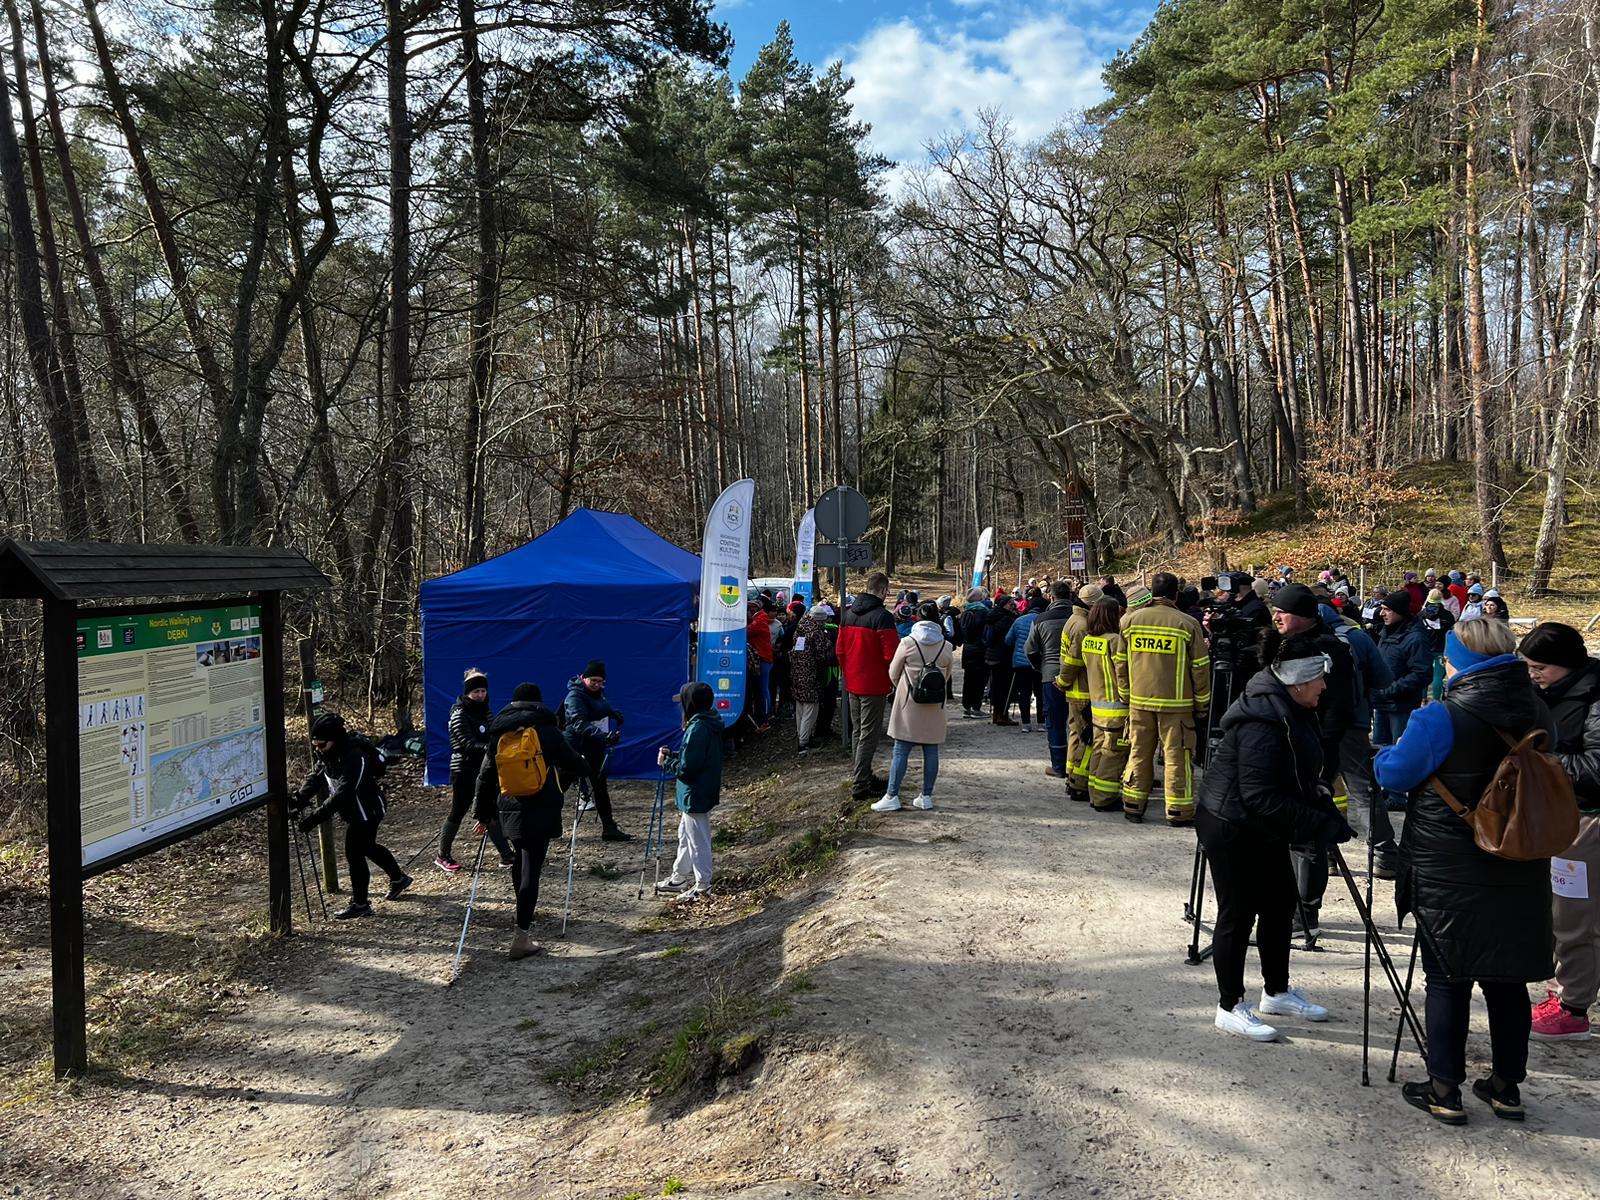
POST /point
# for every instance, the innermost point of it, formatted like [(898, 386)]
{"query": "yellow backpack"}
[(519, 761)]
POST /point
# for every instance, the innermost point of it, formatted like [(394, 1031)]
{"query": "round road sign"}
[(842, 514)]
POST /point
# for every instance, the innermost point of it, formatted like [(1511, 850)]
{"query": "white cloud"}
[(915, 83)]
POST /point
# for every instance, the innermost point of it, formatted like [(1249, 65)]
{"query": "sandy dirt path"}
[(986, 1000)]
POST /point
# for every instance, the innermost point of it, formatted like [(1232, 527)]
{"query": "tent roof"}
[(588, 556)]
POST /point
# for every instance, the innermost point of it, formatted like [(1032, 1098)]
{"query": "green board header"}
[(151, 631)]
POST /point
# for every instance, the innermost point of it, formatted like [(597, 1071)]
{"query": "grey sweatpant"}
[(1577, 924)]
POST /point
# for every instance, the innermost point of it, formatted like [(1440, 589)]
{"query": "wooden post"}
[(844, 694), (311, 703), (280, 900), (68, 1012)]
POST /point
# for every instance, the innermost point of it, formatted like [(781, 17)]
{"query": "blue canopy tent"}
[(598, 585)]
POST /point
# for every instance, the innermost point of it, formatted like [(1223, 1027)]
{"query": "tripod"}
[(1402, 991)]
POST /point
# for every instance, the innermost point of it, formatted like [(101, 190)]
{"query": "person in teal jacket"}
[(698, 768)]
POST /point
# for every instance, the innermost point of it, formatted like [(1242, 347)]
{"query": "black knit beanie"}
[(527, 693), (1556, 645), (595, 670)]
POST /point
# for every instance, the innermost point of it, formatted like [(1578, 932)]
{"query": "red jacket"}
[(759, 634), (866, 646)]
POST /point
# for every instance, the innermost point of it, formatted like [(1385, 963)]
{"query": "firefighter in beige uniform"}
[(1104, 655), (1166, 678), (1074, 686)]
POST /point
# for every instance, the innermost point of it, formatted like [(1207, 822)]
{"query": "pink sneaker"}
[(1551, 1000), (1558, 1023)]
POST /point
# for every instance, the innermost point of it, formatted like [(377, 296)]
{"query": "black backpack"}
[(930, 686)]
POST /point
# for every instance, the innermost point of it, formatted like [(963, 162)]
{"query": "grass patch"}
[(722, 1037), (672, 1186), (584, 1068), (674, 951), (526, 1025), (726, 836), (801, 982)]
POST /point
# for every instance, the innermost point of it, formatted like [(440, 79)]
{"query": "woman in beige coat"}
[(913, 722)]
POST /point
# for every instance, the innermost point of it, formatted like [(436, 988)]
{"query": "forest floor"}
[(985, 1000)]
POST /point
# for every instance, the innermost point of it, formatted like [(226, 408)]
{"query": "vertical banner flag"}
[(980, 560), (724, 569), (805, 547)]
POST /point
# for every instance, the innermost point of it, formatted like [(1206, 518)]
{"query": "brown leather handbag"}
[(1529, 809)]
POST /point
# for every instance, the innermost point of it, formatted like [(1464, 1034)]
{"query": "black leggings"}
[(463, 784), (973, 677), (360, 844), (1255, 886), (1000, 689), (525, 870)]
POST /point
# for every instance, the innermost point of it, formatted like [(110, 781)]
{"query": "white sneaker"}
[(887, 804), (1026, 728), (1242, 1021), (924, 802), (672, 884), (1292, 1003)]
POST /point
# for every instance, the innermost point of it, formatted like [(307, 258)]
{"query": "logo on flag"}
[(728, 593), (733, 515)]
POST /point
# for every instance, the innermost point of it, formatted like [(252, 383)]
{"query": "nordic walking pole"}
[(316, 877), (432, 839), (305, 889), (654, 833), (572, 852), (477, 868), (1366, 980)]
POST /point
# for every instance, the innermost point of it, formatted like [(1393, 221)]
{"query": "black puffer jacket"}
[(995, 650), (1266, 771), (469, 736), (969, 631), (1573, 707), (538, 815), (1486, 918)]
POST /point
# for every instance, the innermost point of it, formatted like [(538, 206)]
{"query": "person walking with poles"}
[(593, 726), (520, 786), (866, 646), (698, 770), (1168, 684), (469, 740), (345, 778)]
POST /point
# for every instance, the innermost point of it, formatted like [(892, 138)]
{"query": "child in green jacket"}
[(698, 768)]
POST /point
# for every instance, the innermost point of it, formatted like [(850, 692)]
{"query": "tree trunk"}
[(1567, 407), (36, 329), (485, 287), (394, 650), (1485, 471)]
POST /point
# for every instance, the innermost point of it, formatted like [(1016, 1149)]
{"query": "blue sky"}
[(923, 67)]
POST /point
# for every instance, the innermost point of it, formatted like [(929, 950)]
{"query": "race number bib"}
[(1569, 879)]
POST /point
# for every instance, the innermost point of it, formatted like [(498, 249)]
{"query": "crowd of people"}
[(1310, 708)]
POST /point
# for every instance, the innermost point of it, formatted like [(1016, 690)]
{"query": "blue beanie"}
[(1459, 657)]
